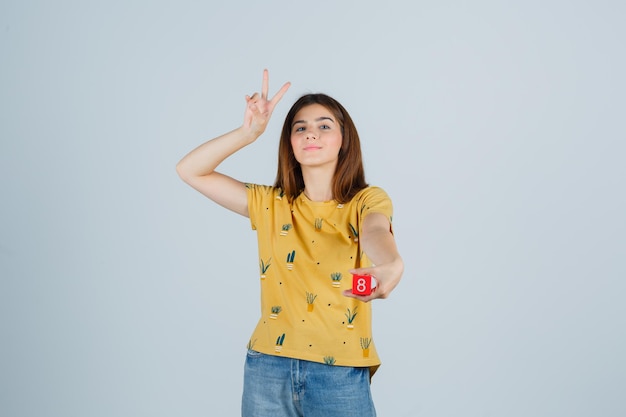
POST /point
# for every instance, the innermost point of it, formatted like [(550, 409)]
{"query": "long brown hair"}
[(349, 176)]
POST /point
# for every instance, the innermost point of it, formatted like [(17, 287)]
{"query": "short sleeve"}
[(259, 197), (374, 200)]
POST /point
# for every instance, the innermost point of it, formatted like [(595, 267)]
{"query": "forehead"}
[(312, 112)]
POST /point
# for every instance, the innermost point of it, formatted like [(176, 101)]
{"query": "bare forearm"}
[(205, 158), (197, 168), (380, 247)]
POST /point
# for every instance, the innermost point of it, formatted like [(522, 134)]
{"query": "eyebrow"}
[(319, 119)]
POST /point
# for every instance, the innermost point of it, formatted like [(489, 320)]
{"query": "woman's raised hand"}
[(259, 108)]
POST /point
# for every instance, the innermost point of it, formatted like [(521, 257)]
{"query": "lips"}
[(312, 148)]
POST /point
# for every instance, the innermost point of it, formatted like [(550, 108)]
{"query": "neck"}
[(318, 183)]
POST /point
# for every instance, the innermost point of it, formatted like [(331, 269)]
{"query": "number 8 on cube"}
[(363, 284)]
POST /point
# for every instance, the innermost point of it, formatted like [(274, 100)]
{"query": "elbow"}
[(182, 172), (400, 263), (397, 263)]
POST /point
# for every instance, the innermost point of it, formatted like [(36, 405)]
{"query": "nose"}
[(311, 135)]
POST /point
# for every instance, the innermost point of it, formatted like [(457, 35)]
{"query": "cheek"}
[(339, 142), (295, 149)]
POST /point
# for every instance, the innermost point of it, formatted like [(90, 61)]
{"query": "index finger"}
[(280, 93)]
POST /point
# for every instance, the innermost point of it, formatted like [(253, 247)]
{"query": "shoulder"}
[(257, 187), (264, 195), (373, 199), (264, 190), (371, 192)]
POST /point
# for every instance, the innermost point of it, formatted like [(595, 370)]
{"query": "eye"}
[(324, 127), (299, 129)]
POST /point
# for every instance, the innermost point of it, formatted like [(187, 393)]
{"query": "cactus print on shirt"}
[(306, 250)]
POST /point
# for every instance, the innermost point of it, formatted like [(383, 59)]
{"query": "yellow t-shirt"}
[(306, 249)]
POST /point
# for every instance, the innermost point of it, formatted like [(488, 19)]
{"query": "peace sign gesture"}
[(259, 109)]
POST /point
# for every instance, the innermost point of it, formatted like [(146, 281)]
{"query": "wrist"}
[(247, 134)]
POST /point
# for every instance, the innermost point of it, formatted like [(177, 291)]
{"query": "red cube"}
[(363, 284)]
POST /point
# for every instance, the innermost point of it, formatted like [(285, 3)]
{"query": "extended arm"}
[(379, 245), (197, 168)]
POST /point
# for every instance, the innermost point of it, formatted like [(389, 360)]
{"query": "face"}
[(316, 137)]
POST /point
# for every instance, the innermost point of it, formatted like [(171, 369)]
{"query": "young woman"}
[(312, 352)]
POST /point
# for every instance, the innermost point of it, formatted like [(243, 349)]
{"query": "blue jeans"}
[(275, 386)]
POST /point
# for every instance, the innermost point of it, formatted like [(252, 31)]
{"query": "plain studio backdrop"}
[(497, 128)]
